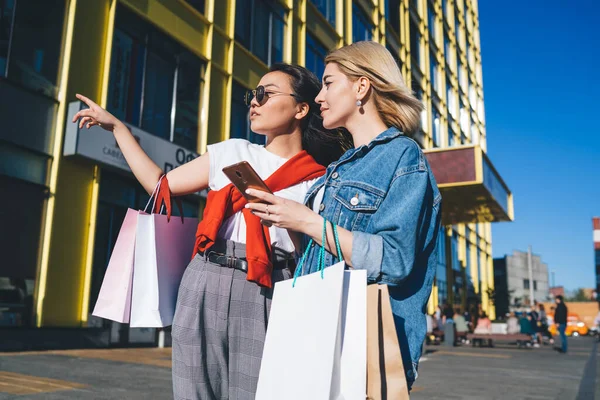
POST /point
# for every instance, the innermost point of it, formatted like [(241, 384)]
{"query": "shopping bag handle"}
[(162, 199), (311, 243)]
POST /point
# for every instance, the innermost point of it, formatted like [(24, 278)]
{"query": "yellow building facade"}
[(176, 72)]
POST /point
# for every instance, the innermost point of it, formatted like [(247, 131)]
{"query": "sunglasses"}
[(262, 95)]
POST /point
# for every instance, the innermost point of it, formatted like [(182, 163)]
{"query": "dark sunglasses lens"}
[(260, 94), (248, 96)]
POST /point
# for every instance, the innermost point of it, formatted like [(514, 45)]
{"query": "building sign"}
[(100, 145)]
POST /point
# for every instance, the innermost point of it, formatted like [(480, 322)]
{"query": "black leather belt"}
[(242, 264)]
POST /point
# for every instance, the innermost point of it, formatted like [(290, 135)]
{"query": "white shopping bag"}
[(162, 252), (312, 330)]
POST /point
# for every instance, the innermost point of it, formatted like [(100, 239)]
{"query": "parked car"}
[(575, 326)]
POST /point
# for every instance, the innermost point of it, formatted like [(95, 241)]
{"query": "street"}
[(445, 373)]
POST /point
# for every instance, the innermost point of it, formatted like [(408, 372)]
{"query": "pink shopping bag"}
[(114, 300)]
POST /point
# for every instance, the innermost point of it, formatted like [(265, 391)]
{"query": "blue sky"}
[(541, 66)]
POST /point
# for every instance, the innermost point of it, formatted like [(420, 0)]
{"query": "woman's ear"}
[(362, 85), (302, 110)]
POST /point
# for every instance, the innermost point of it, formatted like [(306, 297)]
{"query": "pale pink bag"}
[(114, 300)]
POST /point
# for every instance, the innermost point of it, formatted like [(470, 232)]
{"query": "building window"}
[(392, 14), (451, 100), (327, 8), (415, 43), (464, 120), (362, 26), (415, 4), (535, 286), (24, 209), (259, 27), (451, 140), (393, 49), (155, 83), (315, 55), (525, 283), (433, 72), (455, 259), (240, 124), (31, 42), (457, 32), (448, 51), (437, 128), (197, 4), (431, 22)]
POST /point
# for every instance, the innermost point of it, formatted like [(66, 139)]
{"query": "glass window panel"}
[(464, 119), (158, 96), (23, 208), (148, 69), (415, 42), (260, 34), (197, 4), (243, 21), (126, 77), (36, 43), (393, 49), (315, 55), (7, 10), (437, 128), (240, 125), (362, 27), (277, 38), (392, 14), (433, 71), (187, 108), (431, 21), (327, 8)]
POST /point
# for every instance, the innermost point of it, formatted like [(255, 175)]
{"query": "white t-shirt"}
[(265, 163)]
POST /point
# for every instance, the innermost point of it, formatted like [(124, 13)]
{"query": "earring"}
[(358, 103)]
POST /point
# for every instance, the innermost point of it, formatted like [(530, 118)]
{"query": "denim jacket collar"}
[(387, 135)]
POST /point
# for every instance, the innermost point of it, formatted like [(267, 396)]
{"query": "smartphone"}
[(243, 177)]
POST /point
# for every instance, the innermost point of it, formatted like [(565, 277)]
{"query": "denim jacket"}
[(385, 193)]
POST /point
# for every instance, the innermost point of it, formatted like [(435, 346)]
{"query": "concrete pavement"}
[(503, 372)]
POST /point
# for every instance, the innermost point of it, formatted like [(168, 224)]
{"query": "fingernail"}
[(248, 191), (247, 206)]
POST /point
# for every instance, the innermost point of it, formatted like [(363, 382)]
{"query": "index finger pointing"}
[(87, 101)]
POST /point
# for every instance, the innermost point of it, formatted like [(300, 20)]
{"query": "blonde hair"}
[(395, 102)]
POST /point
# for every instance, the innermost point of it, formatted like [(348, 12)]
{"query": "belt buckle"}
[(230, 262)]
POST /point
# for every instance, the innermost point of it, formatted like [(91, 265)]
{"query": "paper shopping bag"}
[(162, 250), (315, 347), (114, 299), (303, 337), (385, 371)]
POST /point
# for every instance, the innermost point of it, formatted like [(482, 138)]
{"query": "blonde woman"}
[(381, 194)]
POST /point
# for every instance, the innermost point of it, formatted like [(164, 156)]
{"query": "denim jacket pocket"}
[(359, 201)]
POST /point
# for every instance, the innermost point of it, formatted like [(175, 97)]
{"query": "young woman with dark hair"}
[(224, 298)]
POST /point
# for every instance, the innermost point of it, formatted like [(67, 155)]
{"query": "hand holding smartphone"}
[(244, 177)]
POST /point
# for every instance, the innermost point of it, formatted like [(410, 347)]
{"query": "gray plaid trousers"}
[(219, 330)]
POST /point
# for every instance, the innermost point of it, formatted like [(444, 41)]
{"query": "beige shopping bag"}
[(385, 371)]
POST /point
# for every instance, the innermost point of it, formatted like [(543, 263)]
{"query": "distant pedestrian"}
[(560, 319), (543, 324), (512, 324), (526, 328), (533, 320), (484, 326), (461, 327)]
